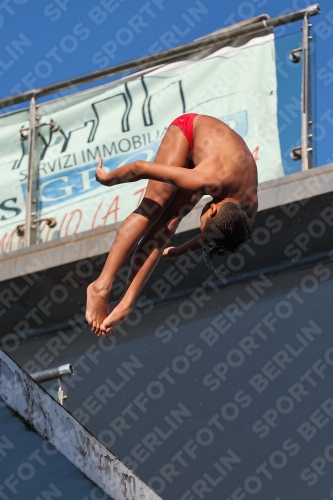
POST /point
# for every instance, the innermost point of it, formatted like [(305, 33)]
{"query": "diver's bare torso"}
[(223, 153)]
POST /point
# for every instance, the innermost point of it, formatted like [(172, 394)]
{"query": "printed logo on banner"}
[(66, 185)]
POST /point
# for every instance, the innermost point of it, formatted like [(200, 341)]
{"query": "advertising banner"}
[(125, 121)]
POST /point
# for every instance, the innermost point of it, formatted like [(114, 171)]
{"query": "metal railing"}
[(165, 56), (304, 151)]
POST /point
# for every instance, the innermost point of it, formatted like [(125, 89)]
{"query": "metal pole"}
[(307, 157), (53, 373), (165, 56), (31, 193)]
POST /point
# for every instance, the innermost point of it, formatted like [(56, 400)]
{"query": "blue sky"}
[(44, 42)]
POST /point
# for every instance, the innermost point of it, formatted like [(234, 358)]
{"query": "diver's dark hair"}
[(226, 231)]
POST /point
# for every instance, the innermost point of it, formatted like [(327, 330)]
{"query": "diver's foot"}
[(114, 319), (97, 305)]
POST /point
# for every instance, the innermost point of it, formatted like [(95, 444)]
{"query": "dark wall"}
[(218, 385), (282, 237)]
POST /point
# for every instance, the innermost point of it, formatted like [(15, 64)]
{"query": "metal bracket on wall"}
[(50, 221), (294, 55), (296, 153), (55, 373), (23, 133)]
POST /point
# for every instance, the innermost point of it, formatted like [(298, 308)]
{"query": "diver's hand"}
[(101, 175), (170, 253)]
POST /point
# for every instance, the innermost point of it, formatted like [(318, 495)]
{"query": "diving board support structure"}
[(55, 424)]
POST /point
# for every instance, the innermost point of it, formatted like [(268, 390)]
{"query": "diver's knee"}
[(150, 209)]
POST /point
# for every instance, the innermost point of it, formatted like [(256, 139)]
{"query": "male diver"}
[(199, 155)]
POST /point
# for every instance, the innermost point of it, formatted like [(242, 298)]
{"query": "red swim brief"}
[(185, 124)]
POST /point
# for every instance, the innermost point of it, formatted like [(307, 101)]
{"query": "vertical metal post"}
[(307, 157), (31, 195)]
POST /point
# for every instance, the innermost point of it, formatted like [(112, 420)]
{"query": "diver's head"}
[(225, 227)]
